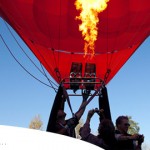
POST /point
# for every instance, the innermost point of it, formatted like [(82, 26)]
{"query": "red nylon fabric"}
[(50, 30)]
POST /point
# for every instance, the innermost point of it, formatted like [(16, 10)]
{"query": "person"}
[(126, 141), (106, 132), (67, 127)]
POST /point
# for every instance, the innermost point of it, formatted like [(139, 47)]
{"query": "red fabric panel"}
[(50, 30)]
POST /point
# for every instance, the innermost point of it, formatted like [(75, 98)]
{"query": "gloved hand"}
[(90, 113), (85, 94)]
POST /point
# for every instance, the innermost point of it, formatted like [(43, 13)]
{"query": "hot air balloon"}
[(51, 30)]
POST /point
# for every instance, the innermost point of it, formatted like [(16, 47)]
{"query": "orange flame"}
[(89, 18)]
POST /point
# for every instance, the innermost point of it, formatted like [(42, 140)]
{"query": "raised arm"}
[(82, 107), (85, 130)]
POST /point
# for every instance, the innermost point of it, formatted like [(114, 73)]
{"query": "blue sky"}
[(22, 97)]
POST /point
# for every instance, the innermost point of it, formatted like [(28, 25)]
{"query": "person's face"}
[(61, 114), (124, 126)]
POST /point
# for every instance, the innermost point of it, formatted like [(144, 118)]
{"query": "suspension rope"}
[(22, 48), (50, 81), (21, 64), (43, 73)]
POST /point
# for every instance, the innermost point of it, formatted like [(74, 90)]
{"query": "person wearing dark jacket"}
[(67, 127), (127, 141)]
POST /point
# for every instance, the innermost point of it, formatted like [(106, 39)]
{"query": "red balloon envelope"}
[(50, 30)]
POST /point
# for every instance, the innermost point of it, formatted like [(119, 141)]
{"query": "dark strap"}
[(57, 105), (104, 104), (67, 98)]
